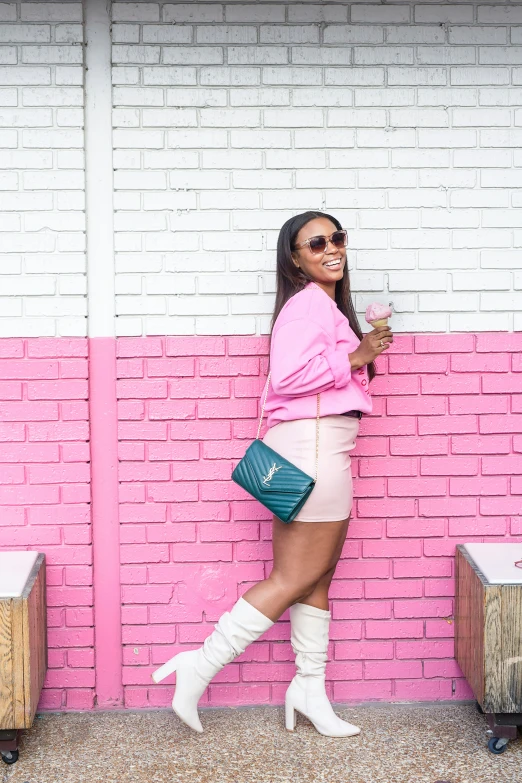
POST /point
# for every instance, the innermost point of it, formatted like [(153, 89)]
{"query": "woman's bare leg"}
[(319, 596), (309, 622), (304, 553)]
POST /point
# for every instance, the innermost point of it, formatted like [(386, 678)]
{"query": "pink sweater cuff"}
[(340, 366)]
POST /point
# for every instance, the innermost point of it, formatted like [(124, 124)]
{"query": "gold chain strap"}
[(316, 424)]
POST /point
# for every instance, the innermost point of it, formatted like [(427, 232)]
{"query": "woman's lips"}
[(333, 263)]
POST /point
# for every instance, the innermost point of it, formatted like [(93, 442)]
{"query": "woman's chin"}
[(333, 275)]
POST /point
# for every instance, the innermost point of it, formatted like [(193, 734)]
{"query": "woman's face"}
[(326, 268)]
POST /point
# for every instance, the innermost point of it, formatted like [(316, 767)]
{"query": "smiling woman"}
[(316, 353), (318, 393), (312, 248)]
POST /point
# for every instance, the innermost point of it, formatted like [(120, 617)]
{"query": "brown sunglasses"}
[(319, 244)]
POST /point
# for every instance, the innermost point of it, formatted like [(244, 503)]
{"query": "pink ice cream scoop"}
[(377, 314)]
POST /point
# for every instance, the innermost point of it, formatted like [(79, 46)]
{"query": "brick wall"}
[(45, 494), (437, 464), (42, 263), (403, 119)]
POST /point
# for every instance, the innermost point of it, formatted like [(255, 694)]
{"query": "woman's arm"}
[(355, 362), (303, 362)]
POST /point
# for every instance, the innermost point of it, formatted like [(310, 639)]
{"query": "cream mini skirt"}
[(332, 497)]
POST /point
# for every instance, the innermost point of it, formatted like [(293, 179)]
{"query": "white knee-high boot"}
[(306, 692), (234, 631)]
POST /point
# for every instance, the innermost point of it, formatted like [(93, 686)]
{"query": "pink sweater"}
[(311, 341)]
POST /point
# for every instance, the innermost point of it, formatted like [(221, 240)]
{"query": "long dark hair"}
[(292, 279)]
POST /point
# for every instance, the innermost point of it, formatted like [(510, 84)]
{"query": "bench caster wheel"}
[(497, 746), (9, 756)]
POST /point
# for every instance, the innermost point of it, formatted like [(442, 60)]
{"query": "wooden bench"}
[(488, 633), (23, 644)]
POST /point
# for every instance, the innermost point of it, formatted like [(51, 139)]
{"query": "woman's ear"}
[(294, 259)]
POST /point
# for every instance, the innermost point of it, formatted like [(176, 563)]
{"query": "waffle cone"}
[(379, 322)]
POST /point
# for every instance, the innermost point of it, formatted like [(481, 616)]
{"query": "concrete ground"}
[(399, 743)]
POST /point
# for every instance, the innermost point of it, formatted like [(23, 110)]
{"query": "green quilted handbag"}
[(270, 478)]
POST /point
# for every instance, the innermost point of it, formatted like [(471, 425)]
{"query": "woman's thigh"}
[(305, 551), (319, 596)]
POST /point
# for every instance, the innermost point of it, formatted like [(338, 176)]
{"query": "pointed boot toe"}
[(189, 715), (190, 687), (308, 697), (339, 728)]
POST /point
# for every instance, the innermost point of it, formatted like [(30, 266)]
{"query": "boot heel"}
[(290, 717), (165, 670)]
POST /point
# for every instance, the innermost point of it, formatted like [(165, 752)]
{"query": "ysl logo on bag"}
[(270, 474)]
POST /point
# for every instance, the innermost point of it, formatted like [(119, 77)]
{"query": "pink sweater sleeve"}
[(303, 362)]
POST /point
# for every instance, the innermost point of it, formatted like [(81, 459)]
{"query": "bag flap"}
[(273, 473)]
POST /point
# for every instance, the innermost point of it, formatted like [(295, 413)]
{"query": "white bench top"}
[(496, 561), (15, 568)]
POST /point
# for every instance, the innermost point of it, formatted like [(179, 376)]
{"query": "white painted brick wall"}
[(402, 119), (42, 260)]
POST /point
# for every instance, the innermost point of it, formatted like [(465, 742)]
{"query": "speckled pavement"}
[(399, 743)]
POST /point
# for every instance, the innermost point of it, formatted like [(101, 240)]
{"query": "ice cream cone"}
[(377, 315)]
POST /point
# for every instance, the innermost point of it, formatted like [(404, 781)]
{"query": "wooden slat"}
[(6, 666), (477, 602), (493, 696), (512, 648), (18, 663), (469, 623), (35, 645)]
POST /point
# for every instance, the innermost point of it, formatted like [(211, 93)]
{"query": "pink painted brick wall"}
[(436, 465), (44, 497)]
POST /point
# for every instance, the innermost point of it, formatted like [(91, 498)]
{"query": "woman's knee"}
[(323, 583), (297, 589), (305, 592)]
